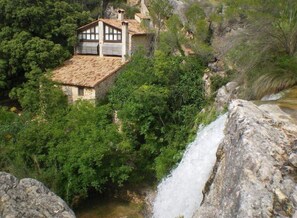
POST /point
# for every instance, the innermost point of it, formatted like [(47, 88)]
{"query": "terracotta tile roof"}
[(86, 70), (134, 27)]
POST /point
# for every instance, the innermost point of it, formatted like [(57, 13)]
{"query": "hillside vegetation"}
[(266, 52), (77, 148)]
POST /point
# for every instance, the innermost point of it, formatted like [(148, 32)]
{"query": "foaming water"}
[(180, 194)]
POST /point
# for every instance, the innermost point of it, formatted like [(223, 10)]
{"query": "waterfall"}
[(180, 194)]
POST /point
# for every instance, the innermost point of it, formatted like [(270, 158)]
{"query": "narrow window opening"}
[(80, 91)]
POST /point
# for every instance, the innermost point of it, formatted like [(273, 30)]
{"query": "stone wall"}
[(27, 198), (256, 170), (103, 87), (72, 93), (140, 41)]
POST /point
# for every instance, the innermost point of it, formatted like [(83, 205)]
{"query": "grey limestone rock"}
[(254, 174), (29, 198), (225, 94), (293, 159)]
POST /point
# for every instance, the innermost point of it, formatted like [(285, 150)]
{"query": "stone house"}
[(103, 48), (87, 77), (113, 37)]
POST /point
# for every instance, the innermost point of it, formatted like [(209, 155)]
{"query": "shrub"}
[(281, 74)]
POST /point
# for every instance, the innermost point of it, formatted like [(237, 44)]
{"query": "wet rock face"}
[(255, 174), (29, 198)]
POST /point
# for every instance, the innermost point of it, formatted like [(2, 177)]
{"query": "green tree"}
[(35, 34), (172, 40), (156, 100), (40, 96), (160, 11), (71, 152), (198, 26)]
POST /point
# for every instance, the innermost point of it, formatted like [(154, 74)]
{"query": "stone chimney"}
[(121, 14), (125, 41), (101, 37)]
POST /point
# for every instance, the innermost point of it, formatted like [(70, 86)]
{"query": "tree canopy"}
[(35, 36), (156, 100)]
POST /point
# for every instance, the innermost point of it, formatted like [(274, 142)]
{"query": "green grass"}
[(270, 83), (274, 76)]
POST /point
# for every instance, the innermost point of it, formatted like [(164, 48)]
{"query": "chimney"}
[(125, 41), (121, 14), (101, 37)]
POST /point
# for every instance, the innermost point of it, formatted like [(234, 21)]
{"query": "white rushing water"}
[(180, 194)]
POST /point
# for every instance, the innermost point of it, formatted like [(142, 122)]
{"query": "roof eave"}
[(87, 25), (72, 84), (140, 34)]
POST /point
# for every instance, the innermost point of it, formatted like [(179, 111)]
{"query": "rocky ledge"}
[(29, 198), (256, 170)]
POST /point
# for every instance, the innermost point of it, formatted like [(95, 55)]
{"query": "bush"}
[(72, 153), (281, 74), (156, 100)]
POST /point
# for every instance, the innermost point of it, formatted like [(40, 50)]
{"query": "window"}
[(112, 34), (80, 91), (91, 34)]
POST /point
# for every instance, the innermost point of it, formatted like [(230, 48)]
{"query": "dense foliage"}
[(35, 36), (198, 25), (156, 100), (71, 152), (75, 148)]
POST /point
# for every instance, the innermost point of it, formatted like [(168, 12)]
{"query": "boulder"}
[(29, 198), (225, 94), (254, 175)]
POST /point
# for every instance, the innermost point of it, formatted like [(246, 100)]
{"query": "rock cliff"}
[(256, 170), (29, 198)]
